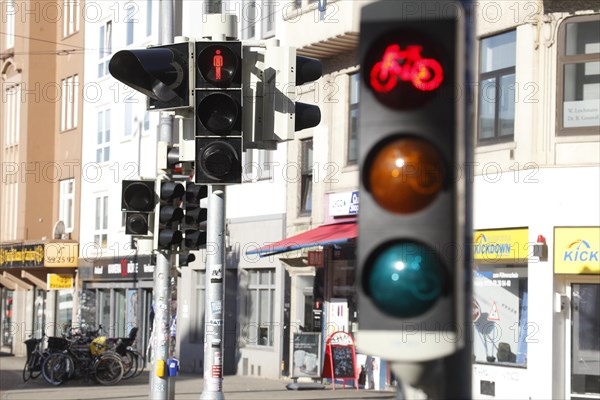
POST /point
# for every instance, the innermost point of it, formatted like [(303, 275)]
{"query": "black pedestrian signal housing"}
[(218, 112), (138, 200)]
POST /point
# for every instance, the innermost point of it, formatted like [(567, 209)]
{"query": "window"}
[(11, 118), (70, 17), (63, 311), (306, 177), (500, 314), (69, 103), (66, 212), (579, 76), (148, 17), (146, 120), (250, 15), (497, 88), (268, 18), (353, 132), (104, 48), (11, 9), (127, 132), (103, 139), (259, 304), (197, 323), (101, 224), (258, 165), (130, 25)]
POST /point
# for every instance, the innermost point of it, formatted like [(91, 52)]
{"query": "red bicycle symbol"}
[(407, 65)]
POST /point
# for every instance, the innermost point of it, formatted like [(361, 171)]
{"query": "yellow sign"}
[(501, 245), (57, 282), (61, 254), (576, 250)]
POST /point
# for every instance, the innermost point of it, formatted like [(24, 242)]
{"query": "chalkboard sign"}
[(343, 362), (340, 358)]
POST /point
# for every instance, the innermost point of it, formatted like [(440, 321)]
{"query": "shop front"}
[(577, 305), (501, 320), (116, 293), (37, 286)]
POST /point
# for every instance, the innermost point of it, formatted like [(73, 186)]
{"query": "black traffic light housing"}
[(195, 220), (138, 200), (218, 112), (160, 72), (413, 223), (307, 115), (169, 214)]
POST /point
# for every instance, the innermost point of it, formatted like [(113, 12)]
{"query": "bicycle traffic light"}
[(137, 201), (161, 72), (218, 112), (413, 214), (170, 214), (195, 219)]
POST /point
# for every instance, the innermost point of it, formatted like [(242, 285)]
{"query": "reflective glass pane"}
[(583, 38), (507, 105), (487, 106), (498, 52)]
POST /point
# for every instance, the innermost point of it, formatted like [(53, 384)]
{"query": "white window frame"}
[(66, 211), (69, 103), (101, 221), (268, 15), (105, 48), (10, 22), (103, 136), (253, 304), (70, 17)]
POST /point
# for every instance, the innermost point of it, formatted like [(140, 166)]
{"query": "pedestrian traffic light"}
[(161, 72), (194, 226), (218, 112), (307, 115), (137, 201), (413, 213), (170, 213)]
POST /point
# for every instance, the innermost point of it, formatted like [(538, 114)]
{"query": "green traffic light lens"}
[(405, 279)]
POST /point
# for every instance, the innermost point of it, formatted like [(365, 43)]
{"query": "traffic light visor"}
[(404, 175), (155, 72)]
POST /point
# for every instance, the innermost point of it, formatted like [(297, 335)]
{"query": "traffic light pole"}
[(160, 386), (214, 304)]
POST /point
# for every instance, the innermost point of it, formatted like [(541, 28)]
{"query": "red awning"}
[(320, 236)]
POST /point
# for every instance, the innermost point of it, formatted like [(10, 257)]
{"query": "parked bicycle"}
[(83, 358), (36, 354)]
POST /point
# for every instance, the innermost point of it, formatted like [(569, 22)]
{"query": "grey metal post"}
[(159, 386), (214, 305)]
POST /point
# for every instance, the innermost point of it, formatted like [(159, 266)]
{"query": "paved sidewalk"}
[(187, 387)]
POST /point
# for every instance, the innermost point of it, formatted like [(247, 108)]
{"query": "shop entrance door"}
[(585, 341)]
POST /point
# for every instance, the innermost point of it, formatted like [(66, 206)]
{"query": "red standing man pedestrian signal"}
[(218, 64), (425, 74)]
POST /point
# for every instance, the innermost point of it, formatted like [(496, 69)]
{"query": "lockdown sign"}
[(576, 250)]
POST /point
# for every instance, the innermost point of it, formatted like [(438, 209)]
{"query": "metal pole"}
[(214, 305), (159, 385)]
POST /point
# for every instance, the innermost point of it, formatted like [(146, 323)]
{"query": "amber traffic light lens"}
[(405, 175)]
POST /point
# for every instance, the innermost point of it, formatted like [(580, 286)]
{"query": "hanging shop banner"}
[(501, 245), (576, 250), (43, 254), (59, 281)]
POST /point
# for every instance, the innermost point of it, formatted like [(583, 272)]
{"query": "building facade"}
[(41, 53)]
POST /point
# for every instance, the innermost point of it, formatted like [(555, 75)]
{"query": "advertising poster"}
[(307, 355)]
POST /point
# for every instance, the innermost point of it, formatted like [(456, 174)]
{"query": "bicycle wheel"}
[(57, 368), (36, 365), (108, 369), (141, 362), (130, 366), (26, 371)]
